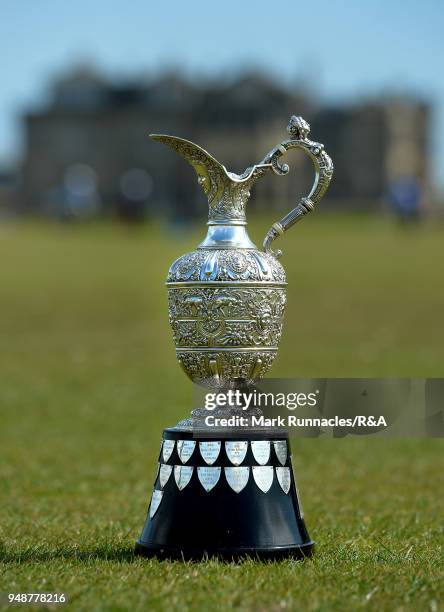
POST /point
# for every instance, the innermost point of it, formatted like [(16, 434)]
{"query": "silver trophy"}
[(230, 492)]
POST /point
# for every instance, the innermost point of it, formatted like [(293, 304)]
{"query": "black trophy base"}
[(200, 510)]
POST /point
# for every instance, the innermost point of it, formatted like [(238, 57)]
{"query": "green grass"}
[(89, 379)]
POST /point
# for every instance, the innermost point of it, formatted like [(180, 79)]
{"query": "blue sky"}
[(342, 50)]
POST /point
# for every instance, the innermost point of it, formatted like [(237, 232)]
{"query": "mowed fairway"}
[(89, 379)]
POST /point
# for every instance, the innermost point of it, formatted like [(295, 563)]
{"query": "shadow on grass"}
[(31, 554), (124, 554)]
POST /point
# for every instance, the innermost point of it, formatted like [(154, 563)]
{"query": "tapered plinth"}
[(229, 496)]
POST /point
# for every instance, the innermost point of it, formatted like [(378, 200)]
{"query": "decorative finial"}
[(298, 128)]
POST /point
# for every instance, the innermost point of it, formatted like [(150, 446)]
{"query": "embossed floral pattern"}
[(226, 265), (207, 317), (230, 365)]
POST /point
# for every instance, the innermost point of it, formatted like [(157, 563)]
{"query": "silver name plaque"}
[(167, 449), (280, 448), (263, 476), (185, 448), (284, 478), (301, 510), (182, 475), (210, 451), (236, 451), (164, 474), (208, 476), (261, 451), (155, 502), (237, 477)]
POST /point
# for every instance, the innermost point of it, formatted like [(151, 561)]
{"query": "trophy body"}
[(229, 491), (226, 310)]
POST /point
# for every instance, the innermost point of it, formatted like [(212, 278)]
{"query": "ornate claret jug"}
[(227, 298), (230, 492)]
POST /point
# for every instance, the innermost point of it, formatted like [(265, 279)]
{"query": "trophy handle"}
[(298, 128)]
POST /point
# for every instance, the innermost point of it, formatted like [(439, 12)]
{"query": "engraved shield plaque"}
[(185, 449), (182, 475), (164, 474), (301, 511), (155, 502), (237, 477), (280, 448), (236, 451), (263, 476), (208, 476), (210, 451), (167, 449), (284, 478), (261, 451)]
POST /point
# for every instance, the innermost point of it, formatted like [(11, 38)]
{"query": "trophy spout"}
[(227, 192), (212, 176)]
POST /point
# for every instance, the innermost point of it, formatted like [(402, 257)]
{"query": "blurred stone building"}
[(88, 151)]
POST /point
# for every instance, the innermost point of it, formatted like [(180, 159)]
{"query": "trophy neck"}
[(227, 205), (227, 235)]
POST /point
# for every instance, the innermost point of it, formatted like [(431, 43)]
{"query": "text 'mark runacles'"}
[(237, 477), (261, 451), (155, 502), (167, 449), (182, 475), (236, 451), (210, 451), (208, 476), (185, 448)]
